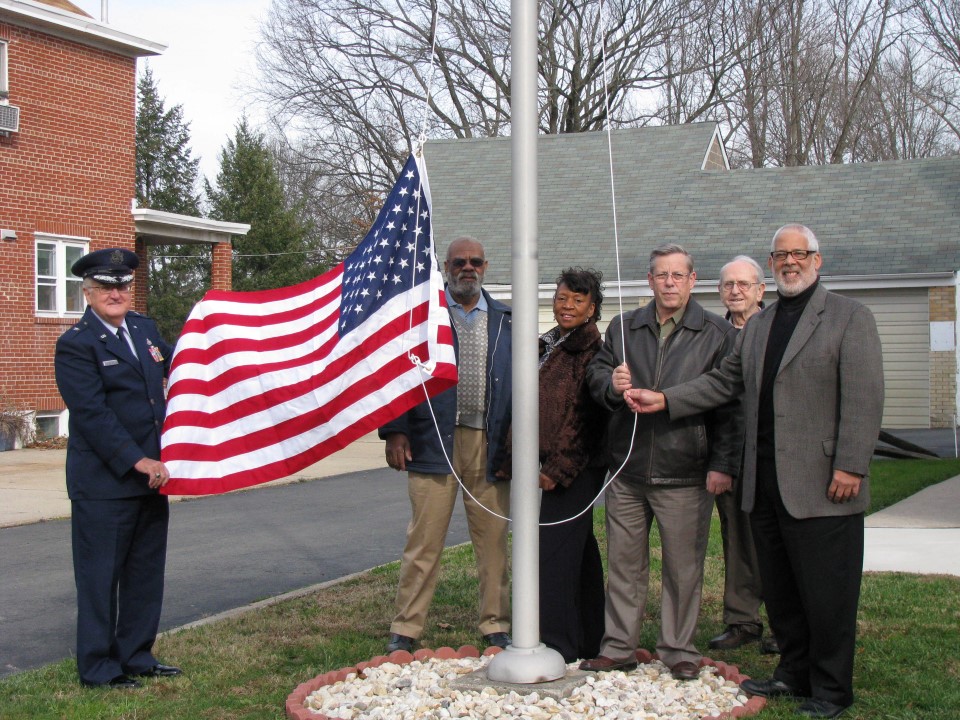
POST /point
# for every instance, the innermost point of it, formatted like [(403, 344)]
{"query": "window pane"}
[(73, 253), (46, 297), (47, 426), (74, 296), (46, 260)]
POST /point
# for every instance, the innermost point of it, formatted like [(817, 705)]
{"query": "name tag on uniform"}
[(107, 363)]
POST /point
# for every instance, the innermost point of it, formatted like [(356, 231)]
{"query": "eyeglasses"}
[(107, 289), (781, 255), (742, 284), (459, 263), (678, 277)]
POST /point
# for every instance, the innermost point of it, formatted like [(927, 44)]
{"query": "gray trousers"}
[(742, 590), (683, 517)]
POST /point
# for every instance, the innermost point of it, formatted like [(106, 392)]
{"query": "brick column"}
[(141, 276), (221, 271)]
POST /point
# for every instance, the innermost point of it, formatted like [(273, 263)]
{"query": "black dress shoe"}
[(498, 639), (735, 636), (602, 663), (400, 642), (120, 682), (768, 688), (159, 670), (817, 708), (769, 645), (685, 670)]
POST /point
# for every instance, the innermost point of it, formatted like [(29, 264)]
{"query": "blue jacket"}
[(116, 403), (417, 423)]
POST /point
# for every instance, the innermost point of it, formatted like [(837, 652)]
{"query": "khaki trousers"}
[(432, 499), (683, 516)]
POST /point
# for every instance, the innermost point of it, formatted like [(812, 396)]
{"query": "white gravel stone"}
[(421, 690)]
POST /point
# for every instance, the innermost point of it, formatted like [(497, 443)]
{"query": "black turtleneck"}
[(788, 312)]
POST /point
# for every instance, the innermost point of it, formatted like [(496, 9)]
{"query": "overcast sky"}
[(208, 62)]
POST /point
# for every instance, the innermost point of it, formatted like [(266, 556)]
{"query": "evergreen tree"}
[(276, 252), (166, 170), (167, 180)]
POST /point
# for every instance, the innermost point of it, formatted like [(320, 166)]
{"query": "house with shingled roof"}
[(888, 232)]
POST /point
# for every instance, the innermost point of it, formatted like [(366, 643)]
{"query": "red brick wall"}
[(70, 170)]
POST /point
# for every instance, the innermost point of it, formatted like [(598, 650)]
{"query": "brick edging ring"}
[(296, 710)]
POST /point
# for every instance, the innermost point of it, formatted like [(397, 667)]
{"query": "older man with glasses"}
[(741, 289), (467, 441), (110, 369), (810, 373), (665, 471)]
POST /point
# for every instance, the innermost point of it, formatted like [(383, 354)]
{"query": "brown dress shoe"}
[(685, 670), (602, 663)]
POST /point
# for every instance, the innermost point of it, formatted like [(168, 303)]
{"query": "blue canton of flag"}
[(395, 255)]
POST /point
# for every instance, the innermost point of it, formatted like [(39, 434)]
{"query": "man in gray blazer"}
[(809, 369)]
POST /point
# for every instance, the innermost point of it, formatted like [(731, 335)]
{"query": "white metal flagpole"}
[(527, 660)]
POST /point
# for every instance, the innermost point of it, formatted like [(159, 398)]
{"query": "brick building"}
[(67, 183)]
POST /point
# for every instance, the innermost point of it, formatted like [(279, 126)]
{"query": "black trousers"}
[(811, 571), (119, 556), (571, 572)]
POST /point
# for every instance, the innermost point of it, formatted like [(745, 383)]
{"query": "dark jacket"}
[(571, 423), (664, 452), (116, 403), (417, 423)]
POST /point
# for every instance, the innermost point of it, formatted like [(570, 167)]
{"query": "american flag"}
[(264, 384)]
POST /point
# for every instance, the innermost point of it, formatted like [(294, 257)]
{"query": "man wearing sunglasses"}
[(110, 369), (809, 370), (473, 419)]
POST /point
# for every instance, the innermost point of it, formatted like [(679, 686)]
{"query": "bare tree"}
[(805, 73), (937, 24), (354, 82), (899, 122), (703, 60)]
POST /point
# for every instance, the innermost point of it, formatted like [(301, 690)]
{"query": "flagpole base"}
[(526, 665)]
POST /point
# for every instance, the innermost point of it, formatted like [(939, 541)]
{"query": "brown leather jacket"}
[(571, 423)]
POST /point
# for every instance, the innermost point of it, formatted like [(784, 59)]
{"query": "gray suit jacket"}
[(828, 401)]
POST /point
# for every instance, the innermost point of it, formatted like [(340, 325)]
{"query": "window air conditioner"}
[(9, 118)]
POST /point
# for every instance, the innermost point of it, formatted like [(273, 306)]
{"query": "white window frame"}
[(62, 278), (4, 80), (59, 417)]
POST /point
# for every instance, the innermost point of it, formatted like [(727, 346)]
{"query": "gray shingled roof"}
[(872, 219)]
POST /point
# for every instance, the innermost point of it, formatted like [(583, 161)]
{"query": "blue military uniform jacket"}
[(116, 404)]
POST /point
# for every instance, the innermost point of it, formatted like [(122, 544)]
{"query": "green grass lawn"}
[(244, 667)]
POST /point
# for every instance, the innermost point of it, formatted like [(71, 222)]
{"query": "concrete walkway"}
[(918, 535), (33, 484)]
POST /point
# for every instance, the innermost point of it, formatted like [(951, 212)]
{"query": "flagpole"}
[(527, 660)]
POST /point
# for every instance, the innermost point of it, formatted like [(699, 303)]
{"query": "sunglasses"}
[(460, 263)]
